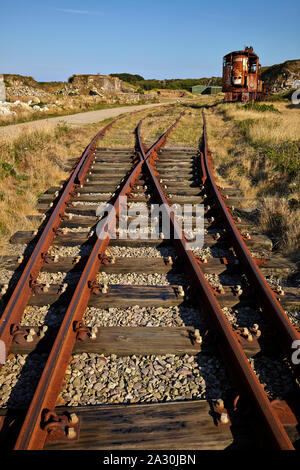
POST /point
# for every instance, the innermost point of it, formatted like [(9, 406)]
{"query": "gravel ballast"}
[(144, 316), (97, 379), (18, 379), (45, 315), (154, 279)]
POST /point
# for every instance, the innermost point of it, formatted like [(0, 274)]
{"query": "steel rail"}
[(32, 436), (273, 429), (23, 289), (264, 295)]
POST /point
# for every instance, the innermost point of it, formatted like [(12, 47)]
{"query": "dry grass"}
[(259, 153), (154, 122), (34, 161), (158, 122), (268, 128), (29, 165), (64, 106), (189, 129), (57, 107), (280, 222)]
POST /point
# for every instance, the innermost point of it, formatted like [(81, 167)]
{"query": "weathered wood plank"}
[(173, 199), (276, 266), (176, 425), (118, 295), (171, 161), (126, 341), (111, 165), (144, 295), (109, 172), (77, 238), (172, 173), (176, 165), (90, 220)]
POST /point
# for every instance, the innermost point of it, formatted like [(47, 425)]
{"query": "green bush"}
[(244, 125), (286, 96), (6, 169), (285, 156), (262, 108), (169, 84)]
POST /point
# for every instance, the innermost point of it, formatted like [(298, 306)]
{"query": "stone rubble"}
[(154, 279), (145, 316), (97, 379)]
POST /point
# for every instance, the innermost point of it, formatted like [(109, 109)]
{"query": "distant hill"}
[(280, 77), (169, 84)]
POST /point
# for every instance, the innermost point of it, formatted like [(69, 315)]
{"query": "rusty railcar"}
[(241, 76)]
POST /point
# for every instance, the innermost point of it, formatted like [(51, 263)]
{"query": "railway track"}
[(83, 305)]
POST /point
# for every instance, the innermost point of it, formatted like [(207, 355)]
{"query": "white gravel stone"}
[(76, 229), (294, 317), (17, 250), (76, 250), (275, 281), (153, 279), (45, 315), (213, 279), (145, 316), (205, 252), (85, 203), (6, 276), (142, 252), (58, 278)]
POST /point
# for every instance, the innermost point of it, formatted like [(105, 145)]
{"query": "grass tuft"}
[(261, 108)]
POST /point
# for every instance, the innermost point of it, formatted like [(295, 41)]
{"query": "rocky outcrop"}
[(26, 97), (23, 91), (281, 77), (18, 107), (100, 84), (104, 86), (15, 80)]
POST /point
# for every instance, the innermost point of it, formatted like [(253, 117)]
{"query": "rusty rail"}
[(33, 433), (272, 427), (271, 308), (23, 289)]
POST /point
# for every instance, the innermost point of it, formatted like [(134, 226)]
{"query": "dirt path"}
[(79, 119)]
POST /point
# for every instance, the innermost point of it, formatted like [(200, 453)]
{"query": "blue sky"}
[(51, 40)]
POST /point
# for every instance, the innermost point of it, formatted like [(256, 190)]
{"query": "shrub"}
[(262, 108)]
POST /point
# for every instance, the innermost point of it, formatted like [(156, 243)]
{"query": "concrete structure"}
[(205, 90), (2, 89), (101, 83)]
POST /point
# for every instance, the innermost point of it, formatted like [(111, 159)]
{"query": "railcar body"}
[(241, 76)]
